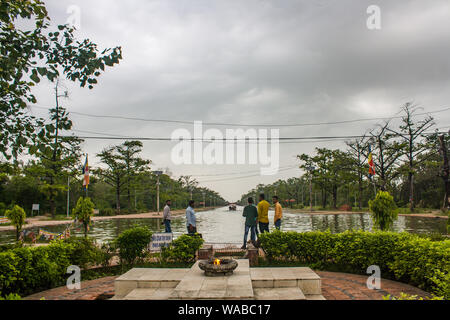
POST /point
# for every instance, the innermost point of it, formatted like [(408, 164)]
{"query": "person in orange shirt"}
[(278, 213)]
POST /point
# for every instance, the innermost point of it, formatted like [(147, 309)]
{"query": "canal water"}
[(223, 226)]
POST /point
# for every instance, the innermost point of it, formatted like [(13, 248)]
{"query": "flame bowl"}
[(225, 268)]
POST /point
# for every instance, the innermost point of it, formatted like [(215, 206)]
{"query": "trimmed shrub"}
[(182, 249), (132, 244), (401, 256), (383, 210), (83, 211), (17, 216), (31, 269)]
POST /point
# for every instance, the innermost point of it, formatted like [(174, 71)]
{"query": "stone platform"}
[(245, 284)]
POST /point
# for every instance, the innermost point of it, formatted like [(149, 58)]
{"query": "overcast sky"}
[(256, 61)]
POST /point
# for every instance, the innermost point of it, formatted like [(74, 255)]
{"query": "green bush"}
[(83, 211), (182, 249), (383, 210), (85, 252), (27, 270), (17, 216), (108, 251), (401, 256), (132, 244)]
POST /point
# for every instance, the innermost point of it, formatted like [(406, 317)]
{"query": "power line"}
[(243, 177), (236, 173), (269, 125), (248, 139)]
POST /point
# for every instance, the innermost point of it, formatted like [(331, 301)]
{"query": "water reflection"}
[(221, 225)]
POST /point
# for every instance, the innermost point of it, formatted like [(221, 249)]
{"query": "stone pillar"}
[(205, 252), (253, 254)]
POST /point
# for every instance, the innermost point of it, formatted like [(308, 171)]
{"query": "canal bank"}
[(223, 226)]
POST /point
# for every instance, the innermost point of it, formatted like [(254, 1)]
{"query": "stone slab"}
[(195, 285), (149, 294), (293, 293)]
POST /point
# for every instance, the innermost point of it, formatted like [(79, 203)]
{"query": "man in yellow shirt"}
[(263, 214), (278, 213)]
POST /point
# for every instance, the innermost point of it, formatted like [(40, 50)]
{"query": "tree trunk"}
[(324, 199), (445, 173), (411, 178), (118, 196), (334, 197), (360, 191)]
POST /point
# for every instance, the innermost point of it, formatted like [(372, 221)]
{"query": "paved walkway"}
[(345, 286), (335, 286)]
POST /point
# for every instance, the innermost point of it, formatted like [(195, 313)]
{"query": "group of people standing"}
[(191, 222), (258, 217)]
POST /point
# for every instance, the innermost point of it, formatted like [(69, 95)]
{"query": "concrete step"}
[(292, 293), (301, 277), (195, 285), (148, 278), (149, 294)]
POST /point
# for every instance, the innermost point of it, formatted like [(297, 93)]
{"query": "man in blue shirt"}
[(190, 218)]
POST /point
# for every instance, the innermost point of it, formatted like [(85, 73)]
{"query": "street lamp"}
[(157, 173), (204, 201), (310, 170)]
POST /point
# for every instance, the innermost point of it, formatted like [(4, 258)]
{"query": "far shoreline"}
[(40, 221), (337, 212)]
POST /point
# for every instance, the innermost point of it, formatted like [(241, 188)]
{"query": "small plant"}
[(17, 217), (11, 296), (182, 249), (108, 251), (83, 211), (132, 244), (405, 296), (383, 210)]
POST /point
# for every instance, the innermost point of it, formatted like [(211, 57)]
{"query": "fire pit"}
[(218, 267)]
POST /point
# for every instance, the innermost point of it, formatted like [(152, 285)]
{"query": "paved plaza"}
[(245, 284)]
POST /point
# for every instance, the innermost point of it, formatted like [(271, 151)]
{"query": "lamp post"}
[(204, 201), (310, 170), (158, 173)]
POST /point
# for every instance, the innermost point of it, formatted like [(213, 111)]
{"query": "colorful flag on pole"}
[(371, 164), (86, 173)]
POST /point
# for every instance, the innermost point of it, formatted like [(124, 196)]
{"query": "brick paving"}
[(345, 286), (335, 286)]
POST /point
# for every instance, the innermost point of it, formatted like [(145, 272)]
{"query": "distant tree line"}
[(410, 160)]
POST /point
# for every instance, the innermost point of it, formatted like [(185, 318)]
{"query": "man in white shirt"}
[(167, 216), (190, 218)]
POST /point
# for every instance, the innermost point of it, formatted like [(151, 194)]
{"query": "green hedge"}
[(132, 245), (401, 256), (31, 269), (182, 249)]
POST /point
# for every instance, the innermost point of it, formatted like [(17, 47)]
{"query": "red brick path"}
[(335, 286), (345, 286)]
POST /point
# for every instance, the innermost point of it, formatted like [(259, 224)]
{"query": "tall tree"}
[(59, 155), (27, 55), (115, 172), (134, 165), (356, 151), (411, 132), (387, 150)]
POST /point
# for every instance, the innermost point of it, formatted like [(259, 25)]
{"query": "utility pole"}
[(158, 173), (68, 196), (204, 201), (445, 172), (310, 170)]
